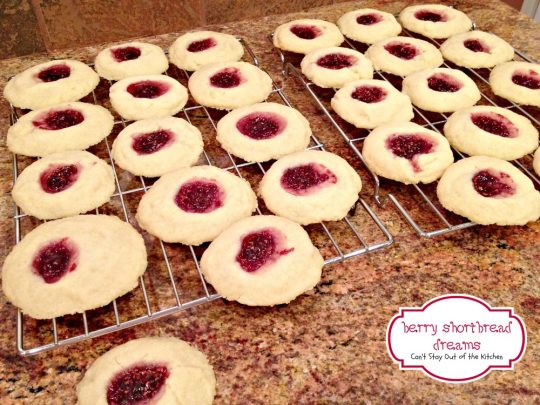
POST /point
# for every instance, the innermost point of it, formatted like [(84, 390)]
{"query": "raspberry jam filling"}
[(529, 79), (148, 89), (261, 125), (307, 179), (202, 45), (429, 15), (410, 146), (305, 31), (54, 73), (126, 53), (260, 248), (495, 124), (55, 120), (492, 183), (151, 142), (200, 196), (368, 19), (401, 50), (476, 45), (138, 384), (54, 260), (57, 178), (369, 94), (226, 78), (444, 83), (336, 61)]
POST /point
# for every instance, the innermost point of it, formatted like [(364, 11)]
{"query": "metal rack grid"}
[(192, 113), (425, 196)]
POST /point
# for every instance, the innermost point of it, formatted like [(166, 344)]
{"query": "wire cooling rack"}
[(173, 281)]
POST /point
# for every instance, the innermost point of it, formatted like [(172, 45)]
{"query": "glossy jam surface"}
[(336, 61), (529, 79), (305, 31), (54, 260), (202, 45), (226, 78), (148, 89), (54, 73), (200, 196), (261, 247), (476, 45), (261, 125), (369, 94), (126, 53), (151, 142), (401, 50), (410, 146), (56, 120), (307, 179), (57, 178), (492, 183), (495, 124), (368, 19), (138, 384), (444, 83), (429, 15)]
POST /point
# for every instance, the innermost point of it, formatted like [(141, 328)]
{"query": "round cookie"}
[(536, 161), (402, 56), (131, 59), (517, 81), (434, 20), (263, 131), (73, 265), (194, 205), (229, 85), (476, 49), (64, 127), (157, 370), (310, 186), (334, 67), (488, 191), (156, 146), (407, 152), (491, 131), (370, 103), (148, 96), (368, 25), (194, 50), (306, 35), (262, 260)]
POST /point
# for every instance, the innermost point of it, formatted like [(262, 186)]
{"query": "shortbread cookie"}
[(194, 50), (229, 85), (63, 184), (157, 146), (156, 370), (50, 83), (304, 36), (334, 67), (194, 205), (441, 90), (131, 59), (517, 81), (536, 161), (368, 25), (310, 186), (149, 96), (402, 56), (262, 260), (488, 191), (407, 152), (370, 103), (73, 265), (434, 20), (491, 131), (69, 126), (476, 49), (263, 131)]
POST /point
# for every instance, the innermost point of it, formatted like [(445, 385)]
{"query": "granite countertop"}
[(328, 346)]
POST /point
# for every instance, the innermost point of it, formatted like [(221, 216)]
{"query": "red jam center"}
[(306, 179), (200, 196), (369, 94), (494, 123), (530, 79), (202, 45), (259, 248), (261, 125), (336, 61), (148, 89), (226, 78), (55, 120), (58, 178), (126, 53), (476, 45), (368, 19), (54, 73), (401, 50), (491, 183), (151, 142), (429, 15), (137, 385), (410, 146), (444, 83), (55, 260), (306, 31)]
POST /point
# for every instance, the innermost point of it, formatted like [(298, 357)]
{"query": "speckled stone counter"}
[(328, 346)]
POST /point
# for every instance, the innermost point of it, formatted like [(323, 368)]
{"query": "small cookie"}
[(434, 20), (310, 186), (476, 49), (491, 131), (72, 265), (51, 83), (263, 131), (441, 90), (149, 96), (157, 146), (157, 370), (262, 260), (306, 35), (63, 184), (368, 25), (402, 56), (229, 85), (407, 152), (131, 59), (194, 205), (370, 103), (334, 67), (194, 50), (64, 127), (517, 81), (536, 161), (488, 191)]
